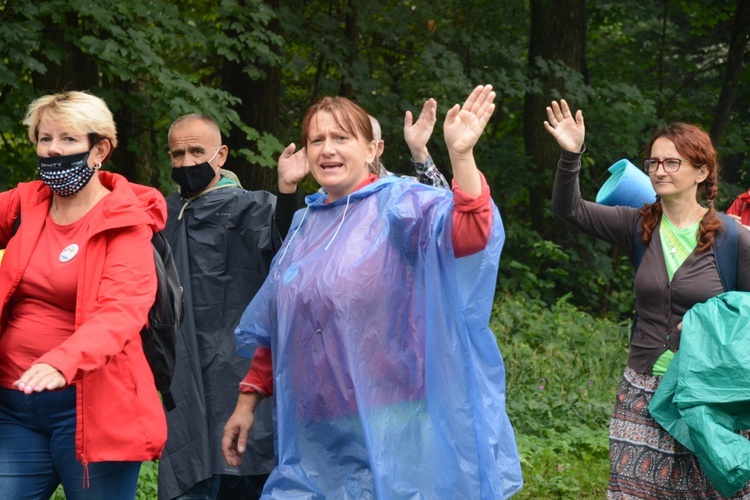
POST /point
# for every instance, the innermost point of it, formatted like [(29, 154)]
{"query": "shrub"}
[(562, 370)]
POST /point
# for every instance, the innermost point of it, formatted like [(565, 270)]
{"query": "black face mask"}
[(193, 179), (66, 175)]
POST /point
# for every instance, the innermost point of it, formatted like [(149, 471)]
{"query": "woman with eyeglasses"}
[(677, 270)]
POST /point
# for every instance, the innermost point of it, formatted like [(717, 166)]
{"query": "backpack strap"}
[(725, 250)]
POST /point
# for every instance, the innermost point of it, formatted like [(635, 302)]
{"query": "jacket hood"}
[(129, 204), (129, 199)]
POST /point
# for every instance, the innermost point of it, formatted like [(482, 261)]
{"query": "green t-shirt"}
[(677, 243)]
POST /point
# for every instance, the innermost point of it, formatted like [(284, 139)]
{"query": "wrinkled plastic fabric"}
[(704, 397), (388, 381), (223, 245)]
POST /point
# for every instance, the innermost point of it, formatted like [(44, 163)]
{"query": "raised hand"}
[(418, 134), (462, 128), (569, 131), (463, 125), (292, 168)]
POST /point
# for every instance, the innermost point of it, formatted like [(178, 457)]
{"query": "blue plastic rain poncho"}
[(705, 395), (388, 381)]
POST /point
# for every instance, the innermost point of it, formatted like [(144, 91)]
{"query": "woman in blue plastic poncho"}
[(387, 379)]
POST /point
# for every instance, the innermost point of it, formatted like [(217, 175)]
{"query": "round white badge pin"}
[(68, 252)]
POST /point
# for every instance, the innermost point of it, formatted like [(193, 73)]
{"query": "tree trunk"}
[(737, 44), (134, 153), (558, 34), (76, 72), (258, 109), (351, 33)]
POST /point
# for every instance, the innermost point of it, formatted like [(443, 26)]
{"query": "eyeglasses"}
[(671, 165)]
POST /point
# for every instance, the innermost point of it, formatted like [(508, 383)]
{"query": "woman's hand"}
[(461, 130), (234, 441), (40, 377), (464, 125), (292, 169), (567, 130), (418, 134)]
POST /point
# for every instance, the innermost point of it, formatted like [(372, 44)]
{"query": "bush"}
[(600, 274), (562, 370)]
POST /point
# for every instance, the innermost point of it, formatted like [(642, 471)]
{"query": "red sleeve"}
[(259, 377), (9, 208), (472, 219)]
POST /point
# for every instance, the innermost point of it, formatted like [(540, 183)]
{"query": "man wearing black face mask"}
[(223, 238)]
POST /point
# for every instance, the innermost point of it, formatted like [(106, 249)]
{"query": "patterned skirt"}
[(645, 461)]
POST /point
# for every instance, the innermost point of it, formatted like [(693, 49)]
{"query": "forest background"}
[(255, 65)]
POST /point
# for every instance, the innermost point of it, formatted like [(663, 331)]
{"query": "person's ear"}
[(703, 174), (380, 147), (101, 151), (372, 149), (222, 155)]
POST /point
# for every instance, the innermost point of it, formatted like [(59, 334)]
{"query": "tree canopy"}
[(255, 65)]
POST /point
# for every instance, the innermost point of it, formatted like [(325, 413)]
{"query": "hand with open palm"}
[(462, 128), (463, 125), (417, 134), (568, 130)]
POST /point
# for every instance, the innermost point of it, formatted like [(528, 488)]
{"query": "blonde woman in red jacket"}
[(78, 404)]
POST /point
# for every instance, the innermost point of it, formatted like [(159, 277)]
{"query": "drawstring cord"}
[(343, 217), (299, 226), (191, 199), (86, 476), (286, 247)]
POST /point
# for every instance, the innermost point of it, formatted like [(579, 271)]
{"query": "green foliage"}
[(562, 365), (572, 464), (601, 275), (138, 48), (531, 264), (148, 480), (562, 370)]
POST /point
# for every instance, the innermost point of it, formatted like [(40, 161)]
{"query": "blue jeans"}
[(38, 451)]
